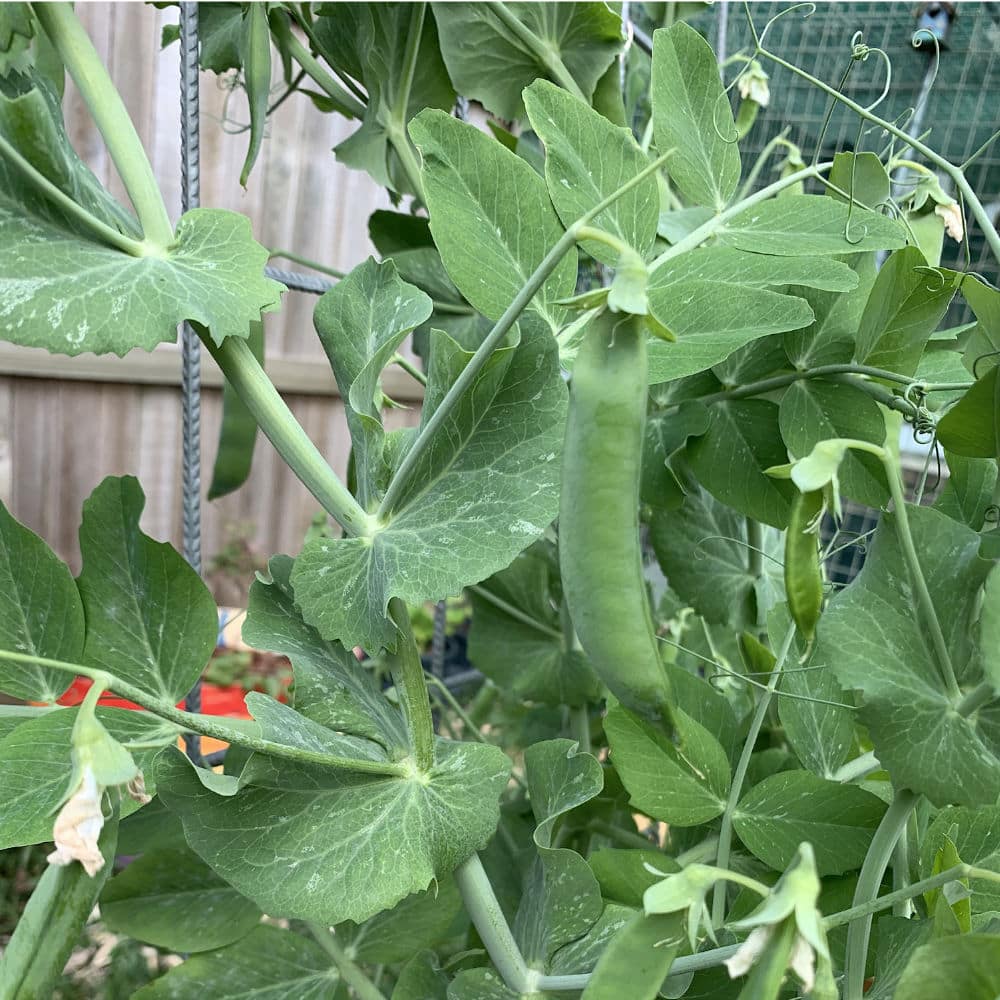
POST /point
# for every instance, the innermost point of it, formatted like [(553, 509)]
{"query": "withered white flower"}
[(78, 826), (954, 225), (753, 84)]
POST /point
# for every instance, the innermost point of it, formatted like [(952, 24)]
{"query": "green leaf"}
[(730, 458), (810, 224), (377, 37), (361, 321), (35, 767), (665, 434), (238, 431), (684, 784), (624, 875), (702, 549), (862, 176), (820, 734), (220, 30), (985, 340), (562, 899), (331, 687), (586, 160), (971, 428), (491, 62), (896, 939), (480, 984), (638, 958), (473, 502), (516, 637), (330, 845), (170, 898), (975, 835), (784, 810), (692, 116), (580, 956), (967, 966), (814, 410), (150, 619), (491, 218), (906, 304), (421, 979), (268, 964), (874, 642), (989, 628), (968, 491), (40, 613)]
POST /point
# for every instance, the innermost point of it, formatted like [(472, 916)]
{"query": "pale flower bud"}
[(78, 826), (752, 85), (953, 223)]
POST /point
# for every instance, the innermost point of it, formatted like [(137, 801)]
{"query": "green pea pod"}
[(637, 959), (803, 576), (599, 552), (768, 973), (238, 432), (256, 46), (49, 928)]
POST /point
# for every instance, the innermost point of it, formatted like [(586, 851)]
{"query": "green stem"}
[(408, 675), (865, 894), (108, 234), (625, 838), (700, 853), (401, 480), (860, 767), (349, 104), (352, 975), (543, 53), (579, 724), (736, 789), (108, 111), (755, 562), (409, 367), (484, 909), (209, 725), (244, 372), (305, 262), (901, 872), (980, 695), (397, 118)]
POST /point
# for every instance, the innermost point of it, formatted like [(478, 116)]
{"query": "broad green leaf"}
[(624, 875), (580, 956), (820, 734), (975, 834), (480, 984), (370, 42), (331, 687), (967, 966), (814, 410), (895, 940), (666, 433), (40, 613), (675, 225), (586, 159), (862, 176), (784, 810), (170, 898), (983, 347), (876, 643), (684, 784), (702, 549), (151, 828), (487, 488), (907, 302), (421, 979), (562, 899), (35, 767), (268, 964), (491, 218), (395, 232), (421, 920), (755, 361), (492, 60), (701, 700), (150, 619), (829, 339), (808, 225), (516, 638), (729, 459), (326, 845), (692, 116), (971, 428), (361, 321), (989, 628), (968, 491), (638, 958)]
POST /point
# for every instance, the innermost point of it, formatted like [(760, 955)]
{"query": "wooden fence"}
[(65, 423)]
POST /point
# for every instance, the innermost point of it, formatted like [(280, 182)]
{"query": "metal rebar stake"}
[(190, 344)]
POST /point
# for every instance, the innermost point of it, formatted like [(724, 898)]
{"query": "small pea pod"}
[(803, 576), (49, 928), (599, 551), (256, 45), (637, 959)]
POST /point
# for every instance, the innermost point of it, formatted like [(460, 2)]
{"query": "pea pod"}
[(599, 552), (256, 77), (637, 959), (50, 926), (803, 576)]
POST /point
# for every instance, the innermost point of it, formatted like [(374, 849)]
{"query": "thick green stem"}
[(247, 377), (980, 695), (410, 368), (484, 909), (401, 480), (857, 768), (348, 103), (736, 789), (360, 984), (901, 872), (869, 880), (398, 116), (108, 111), (234, 732), (408, 675)]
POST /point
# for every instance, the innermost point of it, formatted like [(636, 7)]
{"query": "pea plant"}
[(697, 766)]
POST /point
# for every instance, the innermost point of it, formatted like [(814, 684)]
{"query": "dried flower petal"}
[(137, 789), (802, 962), (954, 225), (740, 963), (753, 85), (78, 826)]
